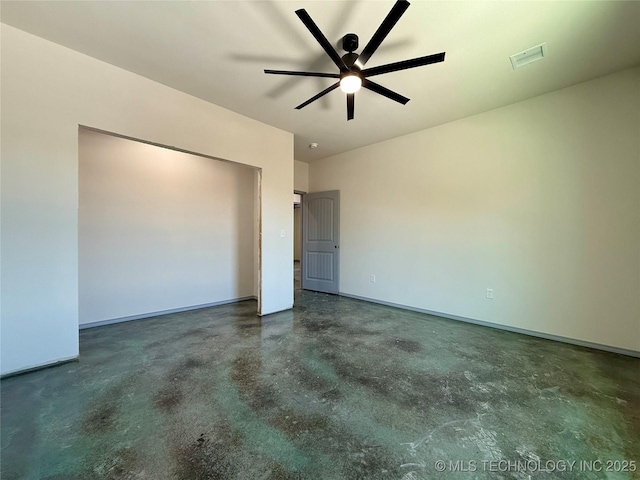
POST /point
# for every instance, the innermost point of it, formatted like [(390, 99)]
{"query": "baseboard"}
[(523, 331), (55, 363), (101, 323)]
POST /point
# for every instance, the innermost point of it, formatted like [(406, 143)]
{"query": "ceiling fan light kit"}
[(350, 83), (352, 74)]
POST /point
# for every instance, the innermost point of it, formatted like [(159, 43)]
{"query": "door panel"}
[(321, 241)]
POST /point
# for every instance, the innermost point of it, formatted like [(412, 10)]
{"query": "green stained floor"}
[(335, 389)]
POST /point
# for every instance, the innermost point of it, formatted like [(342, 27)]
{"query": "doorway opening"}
[(162, 230), (320, 242), (320, 246)]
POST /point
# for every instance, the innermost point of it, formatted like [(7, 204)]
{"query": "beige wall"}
[(159, 229), (47, 92), (301, 176), (538, 201)]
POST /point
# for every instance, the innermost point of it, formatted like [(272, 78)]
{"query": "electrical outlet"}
[(490, 293), (372, 278)]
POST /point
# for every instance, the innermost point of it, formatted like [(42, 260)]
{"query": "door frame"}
[(301, 239)]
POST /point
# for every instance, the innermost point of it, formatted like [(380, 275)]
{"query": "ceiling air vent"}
[(529, 55)]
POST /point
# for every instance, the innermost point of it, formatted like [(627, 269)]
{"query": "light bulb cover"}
[(350, 83)]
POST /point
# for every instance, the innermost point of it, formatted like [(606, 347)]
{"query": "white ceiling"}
[(217, 50)]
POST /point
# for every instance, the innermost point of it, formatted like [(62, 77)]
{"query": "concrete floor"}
[(335, 389)]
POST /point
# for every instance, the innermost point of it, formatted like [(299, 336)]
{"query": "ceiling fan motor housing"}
[(350, 59)]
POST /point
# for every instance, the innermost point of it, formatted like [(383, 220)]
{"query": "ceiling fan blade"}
[(394, 67), (322, 40), (384, 91), (383, 30), (350, 105), (302, 74), (321, 94)]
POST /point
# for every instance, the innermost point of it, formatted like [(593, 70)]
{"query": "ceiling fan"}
[(351, 65)]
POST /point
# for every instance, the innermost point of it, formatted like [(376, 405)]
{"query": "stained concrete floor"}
[(335, 389)]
